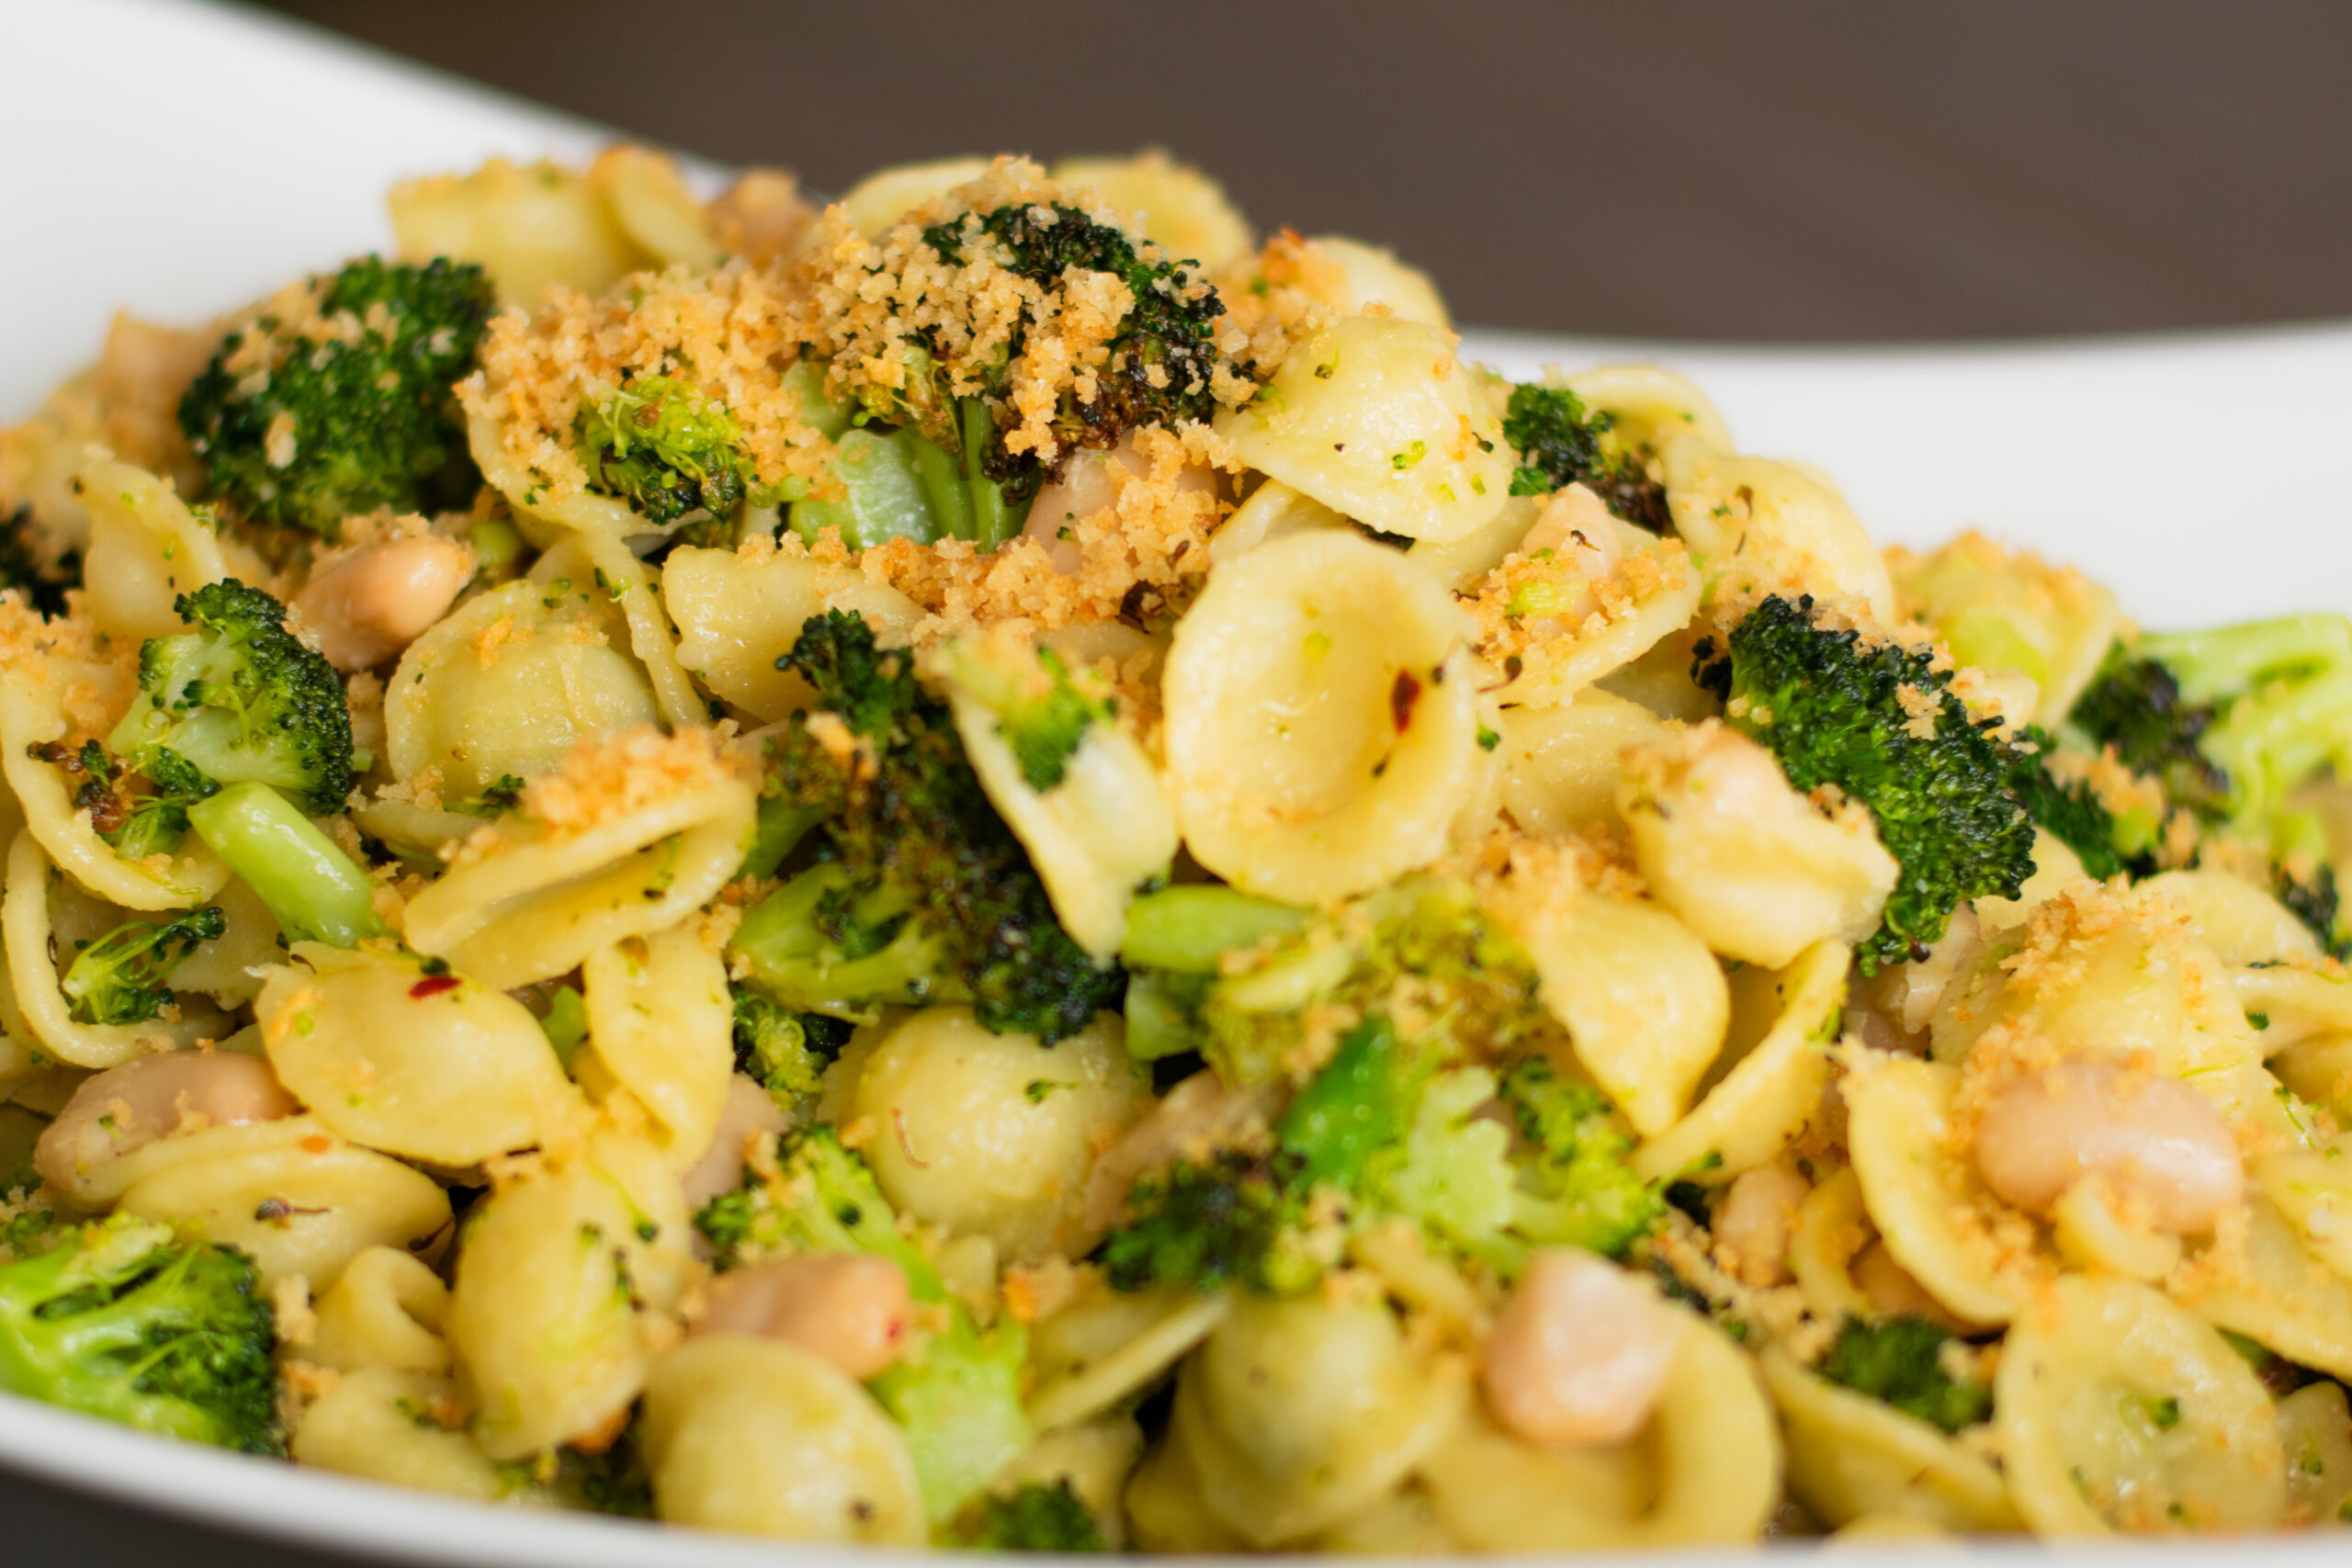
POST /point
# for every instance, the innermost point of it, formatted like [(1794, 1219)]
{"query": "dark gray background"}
[(1774, 169)]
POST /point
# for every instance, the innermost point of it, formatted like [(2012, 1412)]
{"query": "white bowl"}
[(2202, 477)]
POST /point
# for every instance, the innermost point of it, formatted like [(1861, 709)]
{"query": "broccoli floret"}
[(343, 405), (957, 1393), (1899, 1359), (1357, 1104), (119, 1321), (785, 1052), (238, 699), (2228, 720), (919, 891), (1428, 938), (1039, 709), (1841, 710), (42, 576), (120, 977), (666, 449), (1494, 1198), (1039, 1516), (1560, 443), (1236, 1217), (1576, 1163), (155, 821), (1157, 369), (956, 476), (2072, 813)]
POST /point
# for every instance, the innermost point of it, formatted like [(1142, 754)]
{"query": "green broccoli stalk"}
[(957, 1394), (120, 977), (786, 1053), (313, 888), (1359, 1103), (119, 1321), (344, 405), (1038, 1517), (919, 892), (1236, 1217), (2230, 720), (1879, 722), (667, 450), (1900, 1360), (238, 699), (1040, 711), (1560, 443), (1188, 928)]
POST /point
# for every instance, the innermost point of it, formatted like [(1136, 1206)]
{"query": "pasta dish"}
[(993, 865)]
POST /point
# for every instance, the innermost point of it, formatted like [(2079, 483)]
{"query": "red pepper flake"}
[(317, 1144), (433, 985), (1402, 696)]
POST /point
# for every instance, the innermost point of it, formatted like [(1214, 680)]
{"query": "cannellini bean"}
[(849, 1307), (1580, 1352), (129, 1107), (2156, 1142), (1758, 1216), (1086, 486), (747, 1111), (379, 599)]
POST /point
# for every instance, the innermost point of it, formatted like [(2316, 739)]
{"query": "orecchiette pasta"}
[(563, 1294), (1375, 418), (2118, 1411), (761, 1437), (1298, 1414), (426, 1066), (1322, 723), (991, 1134), (978, 868)]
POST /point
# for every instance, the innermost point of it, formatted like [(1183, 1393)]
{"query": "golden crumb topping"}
[(723, 333)]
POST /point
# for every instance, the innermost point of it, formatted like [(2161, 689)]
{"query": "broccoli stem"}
[(1187, 928), (778, 831), (943, 487), (994, 519), (312, 887)]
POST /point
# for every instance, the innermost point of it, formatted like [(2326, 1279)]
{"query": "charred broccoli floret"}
[(238, 699), (919, 892), (1160, 364), (1039, 710), (2309, 891), (784, 1052), (122, 977), (1560, 442), (1900, 1360), (119, 1321), (337, 398), (666, 449), (1236, 1217), (2072, 812), (1879, 721), (42, 576)]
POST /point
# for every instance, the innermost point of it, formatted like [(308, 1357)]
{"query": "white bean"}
[(379, 599), (852, 1308), (127, 1108), (1758, 1216), (1580, 1352), (2156, 1142), (747, 1111)]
